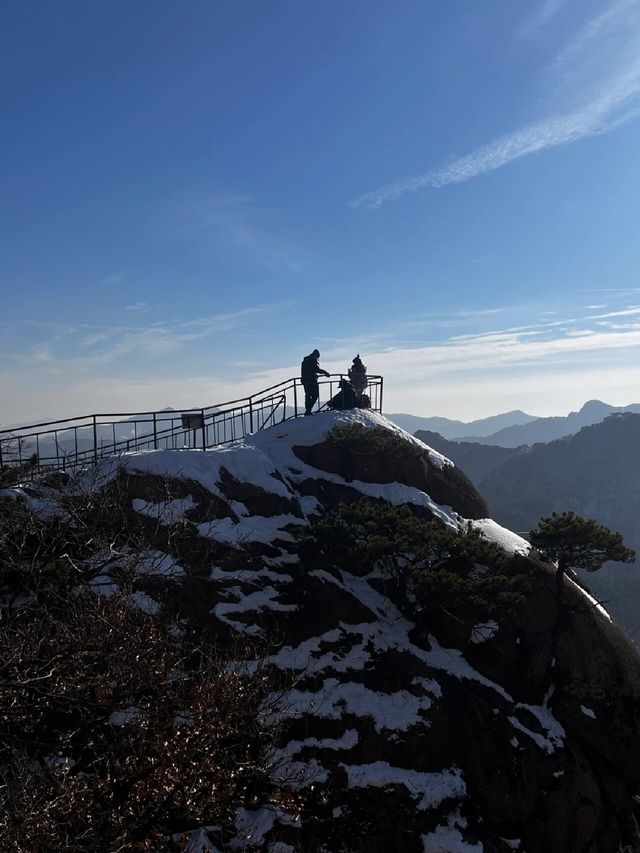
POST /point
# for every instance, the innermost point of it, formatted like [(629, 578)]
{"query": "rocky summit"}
[(461, 716)]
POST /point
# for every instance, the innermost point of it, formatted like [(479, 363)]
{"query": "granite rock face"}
[(406, 735)]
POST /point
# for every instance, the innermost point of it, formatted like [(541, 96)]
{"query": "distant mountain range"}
[(516, 428), (595, 473), (458, 430)]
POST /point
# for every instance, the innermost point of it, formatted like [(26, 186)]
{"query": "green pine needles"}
[(434, 568), (578, 543), (574, 542)]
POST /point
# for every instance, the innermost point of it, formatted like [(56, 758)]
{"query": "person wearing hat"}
[(358, 375), (309, 372)]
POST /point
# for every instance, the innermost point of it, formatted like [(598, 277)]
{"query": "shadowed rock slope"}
[(400, 727), (594, 473)]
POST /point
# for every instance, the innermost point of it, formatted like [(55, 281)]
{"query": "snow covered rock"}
[(434, 732)]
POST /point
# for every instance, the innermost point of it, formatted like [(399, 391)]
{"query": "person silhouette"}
[(358, 375), (309, 372)]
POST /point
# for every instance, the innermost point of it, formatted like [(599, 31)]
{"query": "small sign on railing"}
[(193, 421)]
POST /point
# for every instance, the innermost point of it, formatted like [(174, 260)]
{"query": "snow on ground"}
[(103, 585), (242, 460), (124, 716), (315, 430), (389, 629), (58, 762), (159, 564), (429, 790), (255, 602), (249, 576), (167, 512), (389, 711), (196, 841), (555, 733), (447, 839), (282, 757), (596, 604), (254, 528), (398, 494), (277, 444), (46, 505), (144, 602), (484, 631), (253, 825), (506, 539)]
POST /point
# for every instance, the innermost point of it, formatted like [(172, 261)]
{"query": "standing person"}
[(358, 375), (309, 372)]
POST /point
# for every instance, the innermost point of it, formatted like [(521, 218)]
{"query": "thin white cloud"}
[(541, 16), (598, 75), (115, 279), (238, 223), (533, 367), (85, 346), (625, 312)]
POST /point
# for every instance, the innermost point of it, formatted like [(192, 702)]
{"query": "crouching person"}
[(346, 397)]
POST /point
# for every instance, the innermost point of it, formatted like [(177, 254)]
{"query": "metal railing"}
[(76, 442)]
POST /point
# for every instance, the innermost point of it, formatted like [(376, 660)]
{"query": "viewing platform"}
[(77, 442)]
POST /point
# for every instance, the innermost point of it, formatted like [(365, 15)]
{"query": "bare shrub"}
[(117, 730), (114, 732)]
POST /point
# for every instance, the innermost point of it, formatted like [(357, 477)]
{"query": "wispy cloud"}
[(625, 312), (597, 76), (540, 17), (115, 279), (237, 221), (542, 366), (90, 346)]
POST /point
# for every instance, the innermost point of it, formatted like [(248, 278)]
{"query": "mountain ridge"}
[(514, 428), (455, 428)]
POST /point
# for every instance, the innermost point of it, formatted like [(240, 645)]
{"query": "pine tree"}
[(577, 543)]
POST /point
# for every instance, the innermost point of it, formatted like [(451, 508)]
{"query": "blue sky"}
[(196, 194)]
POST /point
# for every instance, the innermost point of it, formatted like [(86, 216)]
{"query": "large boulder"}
[(379, 455)]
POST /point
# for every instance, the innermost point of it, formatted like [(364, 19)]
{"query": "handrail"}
[(68, 443), (170, 412)]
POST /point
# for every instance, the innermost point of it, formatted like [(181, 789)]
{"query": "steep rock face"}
[(408, 465), (427, 735), (594, 473)]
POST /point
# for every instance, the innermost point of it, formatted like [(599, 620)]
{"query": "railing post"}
[(380, 400), (95, 440), (251, 414), (155, 431), (204, 433), (295, 397)]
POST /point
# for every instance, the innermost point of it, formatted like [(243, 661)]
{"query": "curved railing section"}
[(76, 442)]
